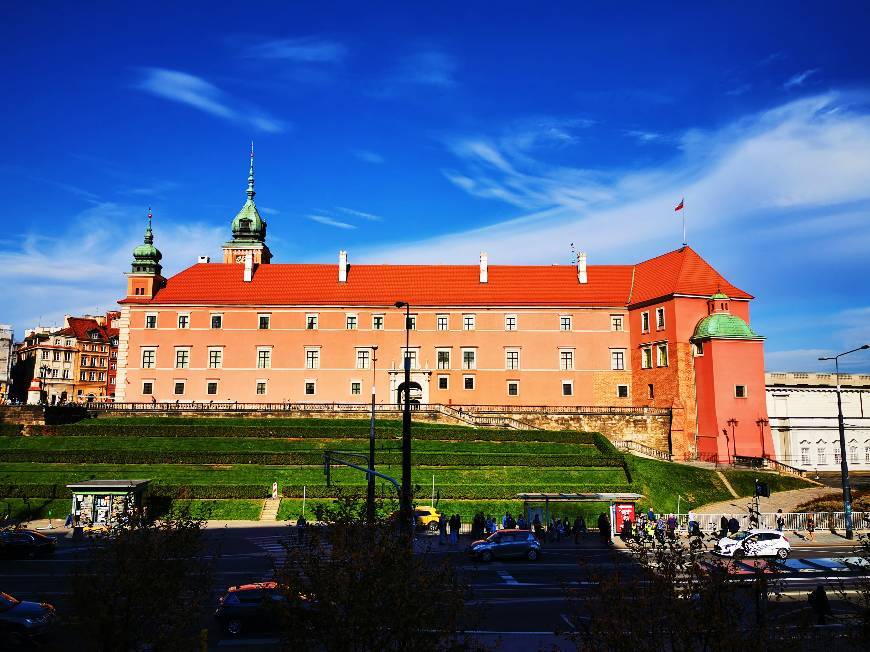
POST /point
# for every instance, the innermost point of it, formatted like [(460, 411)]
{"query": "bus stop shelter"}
[(105, 502), (622, 505)]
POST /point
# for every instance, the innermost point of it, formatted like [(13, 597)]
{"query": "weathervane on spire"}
[(251, 192)]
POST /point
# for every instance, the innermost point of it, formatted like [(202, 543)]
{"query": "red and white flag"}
[(679, 206)]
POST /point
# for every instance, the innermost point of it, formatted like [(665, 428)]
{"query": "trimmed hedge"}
[(9, 429), (333, 431), (303, 458), (153, 489), (468, 491)]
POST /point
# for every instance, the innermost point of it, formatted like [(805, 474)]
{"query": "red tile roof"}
[(681, 271)]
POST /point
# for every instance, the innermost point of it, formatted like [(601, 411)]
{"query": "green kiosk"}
[(105, 502)]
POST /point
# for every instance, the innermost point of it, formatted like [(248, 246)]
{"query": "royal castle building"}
[(666, 332)]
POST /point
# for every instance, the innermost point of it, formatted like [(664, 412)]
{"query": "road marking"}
[(567, 621), (508, 579)]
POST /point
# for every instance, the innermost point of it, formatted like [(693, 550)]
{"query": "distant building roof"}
[(109, 485)]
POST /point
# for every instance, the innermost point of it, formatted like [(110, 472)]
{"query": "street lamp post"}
[(761, 423), (733, 423), (44, 369), (844, 464), (405, 506), (370, 493)]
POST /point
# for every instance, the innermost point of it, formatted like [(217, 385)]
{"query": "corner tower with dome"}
[(249, 230)]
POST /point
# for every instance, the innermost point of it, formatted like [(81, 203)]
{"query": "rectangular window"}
[(148, 358), (217, 321), (468, 322), (182, 358), (443, 382), (69, 342), (179, 387), (469, 359), (617, 359), (411, 323), (622, 391), (805, 455), (311, 322), (56, 356), (468, 382), (645, 357), (411, 354), (85, 360), (83, 376), (211, 388), (617, 323), (312, 358), (183, 320), (350, 322), (363, 356), (66, 374), (567, 388), (147, 387), (215, 358), (356, 388), (662, 355), (565, 322), (867, 454), (45, 355), (263, 322), (853, 454), (650, 391), (512, 360), (513, 388), (697, 349), (310, 388), (101, 376), (566, 360), (660, 318), (151, 321), (264, 358), (739, 391), (510, 322), (377, 322), (441, 322), (443, 359), (644, 322), (822, 455), (836, 454), (67, 356), (261, 388)]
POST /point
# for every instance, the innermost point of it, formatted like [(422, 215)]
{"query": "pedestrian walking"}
[(811, 528), (442, 530), (780, 521), (733, 525), (690, 528), (604, 528), (723, 526)]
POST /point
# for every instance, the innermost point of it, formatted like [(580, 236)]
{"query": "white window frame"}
[(412, 322), (438, 353), (355, 381), (566, 323), (617, 319), (147, 316), (186, 317), (265, 382), (366, 354), (473, 387), (473, 352), (268, 358), (660, 318), (143, 350), (313, 383), (211, 318), (217, 383), (351, 326), (644, 321), (446, 379), (507, 361), (375, 317), (469, 321), (698, 349), (508, 387), (613, 364), (822, 454), (570, 383), (745, 391), (627, 391), (308, 320), (446, 318), (805, 455), (175, 383), (412, 352), (314, 361), (186, 363), (268, 316), (646, 357), (148, 381), (662, 346), (566, 364), (220, 357), (507, 325)]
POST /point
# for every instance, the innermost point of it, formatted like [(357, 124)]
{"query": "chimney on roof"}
[(581, 267), (66, 321), (204, 259), (249, 266), (484, 267), (342, 266)]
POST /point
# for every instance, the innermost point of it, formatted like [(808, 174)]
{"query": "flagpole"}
[(683, 211)]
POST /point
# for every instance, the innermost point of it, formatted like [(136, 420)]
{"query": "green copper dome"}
[(247, 225), (146, 257), (723, 325)]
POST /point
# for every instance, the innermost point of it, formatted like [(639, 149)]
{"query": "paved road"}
[(520, 604)]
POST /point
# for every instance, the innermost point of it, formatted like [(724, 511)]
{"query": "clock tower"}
[(249, 230)]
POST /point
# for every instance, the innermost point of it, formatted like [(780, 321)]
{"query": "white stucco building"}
[(802, 408)]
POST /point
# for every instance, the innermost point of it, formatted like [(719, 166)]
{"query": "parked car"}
[(249, 608), (506, 544), (25, 543), (754, 543), (22, 620), (427, 518)]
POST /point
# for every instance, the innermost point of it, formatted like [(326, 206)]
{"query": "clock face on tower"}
[(240, 258)]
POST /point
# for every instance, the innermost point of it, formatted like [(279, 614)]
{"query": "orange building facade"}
[(250, 330)]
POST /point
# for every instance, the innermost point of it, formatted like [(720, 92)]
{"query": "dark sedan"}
[(506, 544), (23, 620), (25, 543), (249, 608)]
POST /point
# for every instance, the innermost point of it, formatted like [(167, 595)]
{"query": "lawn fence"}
[(794, 521)]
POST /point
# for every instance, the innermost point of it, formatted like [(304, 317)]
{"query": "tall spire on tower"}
[(149, 234), (251, 192)]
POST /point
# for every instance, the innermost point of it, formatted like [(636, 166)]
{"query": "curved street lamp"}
[(405, 506), (844, 464)]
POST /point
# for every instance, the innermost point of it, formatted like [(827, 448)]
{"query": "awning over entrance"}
[(622, 505), (102, 502), (581, 498)]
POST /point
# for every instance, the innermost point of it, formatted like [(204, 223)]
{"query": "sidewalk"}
[(787, 501)]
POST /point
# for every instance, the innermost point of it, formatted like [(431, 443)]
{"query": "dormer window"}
[(95, 335), (244, 224)]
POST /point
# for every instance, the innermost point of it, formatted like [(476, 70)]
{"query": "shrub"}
[(473, 491), (9, 429)]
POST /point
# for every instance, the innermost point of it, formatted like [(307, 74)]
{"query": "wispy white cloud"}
[(799, 79), (329, 221), (268, 211), (184, 88), (304, 49), (367, 156), (643, 137), (366, 216)]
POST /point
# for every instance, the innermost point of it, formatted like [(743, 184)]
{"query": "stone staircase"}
[(270, 509), (489, 420)]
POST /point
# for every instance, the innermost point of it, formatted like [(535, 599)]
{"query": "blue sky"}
[(411, 134)]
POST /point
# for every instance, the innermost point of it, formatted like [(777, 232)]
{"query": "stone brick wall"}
[(25, 415)]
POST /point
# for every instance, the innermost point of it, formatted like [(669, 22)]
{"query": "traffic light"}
[(762, 489)]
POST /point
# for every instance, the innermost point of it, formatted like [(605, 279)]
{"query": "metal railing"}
[(572, 409), (793, 521), (629, 445), (486, 420)]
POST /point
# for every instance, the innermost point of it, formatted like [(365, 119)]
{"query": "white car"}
[(754, 543)]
